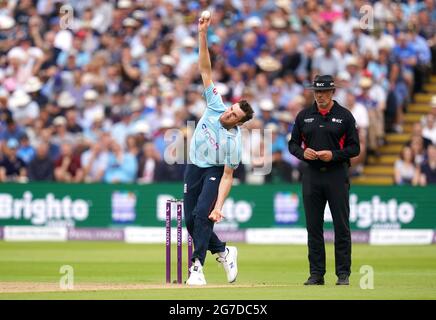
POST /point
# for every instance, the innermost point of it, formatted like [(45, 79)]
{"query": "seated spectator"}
[(375, 115), (41, 168), (359, 112), (429, 129), (5, 113), (417, 146), (67, 166), (11, 130), (24, 110), (405, 169), (151, 166), (281, 170), (122, 166), (60, 134), (417, 132), (25, 151), (72, 122), (95, 160), (427, 172), (12, 167)]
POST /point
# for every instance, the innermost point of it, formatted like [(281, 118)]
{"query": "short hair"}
[(248, 110)]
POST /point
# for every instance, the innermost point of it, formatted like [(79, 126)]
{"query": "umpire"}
[(325, 137)]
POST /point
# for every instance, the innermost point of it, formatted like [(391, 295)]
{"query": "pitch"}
[(115, 270)]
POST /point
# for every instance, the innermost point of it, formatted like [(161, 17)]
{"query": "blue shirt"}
[(211, 143), (235, 60), (403, 53), (124, 172), (419, 44)]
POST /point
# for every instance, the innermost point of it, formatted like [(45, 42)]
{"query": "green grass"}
[(265, 272)]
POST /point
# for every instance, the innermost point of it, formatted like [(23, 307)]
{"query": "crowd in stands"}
[(88, 95), (417, 163)]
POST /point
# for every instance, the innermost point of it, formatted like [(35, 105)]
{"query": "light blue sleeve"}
[(213, 99)]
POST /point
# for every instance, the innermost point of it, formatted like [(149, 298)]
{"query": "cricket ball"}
[(205, 15)]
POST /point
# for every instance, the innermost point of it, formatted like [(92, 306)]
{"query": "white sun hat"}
[(33, 84), (19, 99), (66, 100), (90, 94)]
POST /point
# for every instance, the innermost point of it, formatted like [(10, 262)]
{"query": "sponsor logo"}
[(309, 120), (123, 207), (286, 208), (377, 214), (337, 120), (212, 178), (45, 211), (234, 212), (209, 136), (215, 91)]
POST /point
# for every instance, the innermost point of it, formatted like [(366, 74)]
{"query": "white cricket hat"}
[(66, 100), (167, 123), (253, 22), (90, 94), (168, 60), (17, 53), (33, 84), (266, 105), (6, 22), (60, 121), (188, 42), (19, 99)]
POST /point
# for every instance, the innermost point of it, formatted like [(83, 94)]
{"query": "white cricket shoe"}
[(196, 277), (230, 263)]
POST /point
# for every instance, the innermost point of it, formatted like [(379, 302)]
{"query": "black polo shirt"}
[(12, 166), (336, 131)]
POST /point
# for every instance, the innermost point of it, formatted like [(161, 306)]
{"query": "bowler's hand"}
[(310, 154), (325, 155), (216, 215), (203, 24)]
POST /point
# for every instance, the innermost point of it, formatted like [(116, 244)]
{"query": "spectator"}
[(41, 168), (417, 146), (267, 108), (281, 170), (33, 88), (24, 110), (326, 59), (405, 169), (360, 114), (93, 109), (67, 166), (429, 129), (427, 172), (61, 135), (5, 113), (151, 167), (12, 167), (343, 26), (114, 59), (25, 151), (11, 130), (95, 160), (72, 125), (122, 166), (375, 115), (417, 132)]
